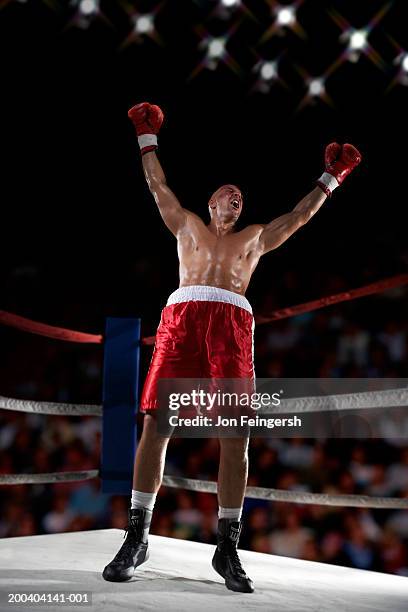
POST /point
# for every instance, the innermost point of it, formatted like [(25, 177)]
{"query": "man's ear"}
[(212, 204)]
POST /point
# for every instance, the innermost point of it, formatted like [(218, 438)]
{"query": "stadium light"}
[(88, 7), (230, 3), (358, 40), (216, 48), (316, 88), (144, 24), (268, 70), (285, 15)]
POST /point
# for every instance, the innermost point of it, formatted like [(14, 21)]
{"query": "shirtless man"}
[(206, 331)]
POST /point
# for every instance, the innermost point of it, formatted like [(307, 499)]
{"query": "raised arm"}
[(340, 160), (147, 119), (169, 207), (280, 229)]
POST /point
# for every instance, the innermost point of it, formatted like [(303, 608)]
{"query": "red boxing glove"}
[(339, 161), (147, 119)]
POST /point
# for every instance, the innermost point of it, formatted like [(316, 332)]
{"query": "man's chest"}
[(225, 248)]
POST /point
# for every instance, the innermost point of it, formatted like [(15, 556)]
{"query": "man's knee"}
[(150, 433)]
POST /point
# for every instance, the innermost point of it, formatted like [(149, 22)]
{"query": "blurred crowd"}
[(343, 341)]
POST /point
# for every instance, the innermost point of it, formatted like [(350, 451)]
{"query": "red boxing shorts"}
[(204, 332)]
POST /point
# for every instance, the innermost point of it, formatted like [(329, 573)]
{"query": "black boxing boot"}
[(133, 551), (226, 561)]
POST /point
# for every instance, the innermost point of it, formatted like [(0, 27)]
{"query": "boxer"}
[(206, 331)]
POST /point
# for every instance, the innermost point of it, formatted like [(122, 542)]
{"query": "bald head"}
[(226, 203)]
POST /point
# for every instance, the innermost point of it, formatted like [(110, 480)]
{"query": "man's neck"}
[(220, 228)]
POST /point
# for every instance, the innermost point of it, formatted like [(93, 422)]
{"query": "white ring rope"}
[(8, 403), (205, 486), (49, 478), (388, 398), (298, 497)]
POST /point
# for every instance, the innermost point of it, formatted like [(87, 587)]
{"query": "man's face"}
[(226, 204)]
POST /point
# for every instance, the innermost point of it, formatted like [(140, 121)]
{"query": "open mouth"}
[(235, 204)]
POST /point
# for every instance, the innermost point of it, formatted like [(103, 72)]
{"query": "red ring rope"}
[(378, 287), (58, 333)]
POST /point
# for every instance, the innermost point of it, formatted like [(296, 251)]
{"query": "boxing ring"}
[(74, 561), (169, 582)]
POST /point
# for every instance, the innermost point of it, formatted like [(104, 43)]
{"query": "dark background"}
[(81, 240), (74, 200)]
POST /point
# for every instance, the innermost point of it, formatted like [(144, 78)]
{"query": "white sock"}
[(230, 513), (142, 500)]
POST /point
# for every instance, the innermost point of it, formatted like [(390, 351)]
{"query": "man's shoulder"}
[(191, 216), (253, 230)]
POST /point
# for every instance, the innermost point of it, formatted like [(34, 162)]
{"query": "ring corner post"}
[(120, 397)]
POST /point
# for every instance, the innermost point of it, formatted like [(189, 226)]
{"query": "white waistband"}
[(204, 293)]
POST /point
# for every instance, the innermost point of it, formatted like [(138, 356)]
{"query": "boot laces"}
[(127, 546), (236, 562)]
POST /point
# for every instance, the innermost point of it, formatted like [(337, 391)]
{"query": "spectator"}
[(358, 551), (290, 540), (394, 338), (59, 517), (353, 346)]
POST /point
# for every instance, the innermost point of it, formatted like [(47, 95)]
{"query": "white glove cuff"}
[(147, 140), (329, 181)]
